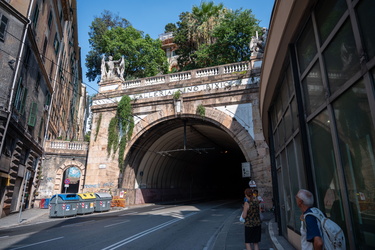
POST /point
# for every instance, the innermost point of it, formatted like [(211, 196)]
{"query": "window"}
[(50, 19), (37, 82), (32, 115), (366, 10), (330, 12), (357, 147), (36, 15), (44, 49), (341, 57), (3, 27), (306, 47), (51, 71), (41, 128), (56, 43), (27, 57), (313, 90), (20, 100)]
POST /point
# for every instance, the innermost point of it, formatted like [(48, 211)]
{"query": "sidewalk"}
[(25, 217), (229, 237)]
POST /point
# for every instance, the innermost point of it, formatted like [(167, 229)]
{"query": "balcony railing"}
[(66, 145), (192, 74)]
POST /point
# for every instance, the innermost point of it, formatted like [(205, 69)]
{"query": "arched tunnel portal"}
[(187, 158)]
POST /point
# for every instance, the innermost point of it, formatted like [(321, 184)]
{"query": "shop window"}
[(294, 109), (357, 147), (313, 90), (289, 81), (288, 123), (276, 140), (281, 129), (294, 220), (341, 58), (329, 13), (306, 47), (366, 10), (324, 165), (285, 94)]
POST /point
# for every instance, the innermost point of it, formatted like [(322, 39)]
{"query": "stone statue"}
[(257, 45), (113, 68)]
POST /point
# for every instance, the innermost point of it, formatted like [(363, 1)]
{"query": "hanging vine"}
[(98, 126), (201, 110), (120, 129), (113, 136)]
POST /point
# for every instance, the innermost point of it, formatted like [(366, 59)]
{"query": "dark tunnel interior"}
[(187, 159)]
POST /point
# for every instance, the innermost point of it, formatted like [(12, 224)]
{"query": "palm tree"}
[(202, 20)]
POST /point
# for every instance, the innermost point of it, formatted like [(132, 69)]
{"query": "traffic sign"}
[(67, 181)]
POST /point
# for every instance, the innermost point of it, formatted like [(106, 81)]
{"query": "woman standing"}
[(251, 214)]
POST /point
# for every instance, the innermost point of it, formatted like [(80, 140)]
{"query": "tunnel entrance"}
[(184, 159)]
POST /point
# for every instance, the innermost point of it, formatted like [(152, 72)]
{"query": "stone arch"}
[(60, 175), (216, 117)]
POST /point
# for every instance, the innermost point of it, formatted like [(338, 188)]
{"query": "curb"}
[(274, 240)]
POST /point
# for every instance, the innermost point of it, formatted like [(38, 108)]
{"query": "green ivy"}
[(98, 126), (201, 110), (121, 125), (177, 94), (112, 136)]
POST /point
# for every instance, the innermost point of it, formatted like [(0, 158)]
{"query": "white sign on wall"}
[(246, 169), (102, 166)]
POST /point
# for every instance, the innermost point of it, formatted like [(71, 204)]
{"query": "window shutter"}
[(32, 114), (23, 101)]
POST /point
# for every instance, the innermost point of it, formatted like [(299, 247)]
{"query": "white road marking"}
[(117, 223), (128, 214), (78, 224), (37, 243), (144, 233)]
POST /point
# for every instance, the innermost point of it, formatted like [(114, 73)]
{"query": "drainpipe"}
[(18, 62)]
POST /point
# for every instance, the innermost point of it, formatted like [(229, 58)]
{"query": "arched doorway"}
[(71, 180)]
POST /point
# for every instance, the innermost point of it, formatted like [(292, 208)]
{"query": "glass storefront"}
[(330, 147)]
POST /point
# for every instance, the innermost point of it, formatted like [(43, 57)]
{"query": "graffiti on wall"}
[(100, 185)]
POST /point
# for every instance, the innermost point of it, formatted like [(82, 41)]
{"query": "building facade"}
[(318, 112), (170, 48), (41, 91)]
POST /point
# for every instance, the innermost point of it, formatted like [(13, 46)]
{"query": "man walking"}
[(311, 237)]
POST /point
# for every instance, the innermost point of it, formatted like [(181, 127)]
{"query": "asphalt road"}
[(194, 226)]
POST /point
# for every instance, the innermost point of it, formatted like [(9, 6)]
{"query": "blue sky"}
[(151, 16)]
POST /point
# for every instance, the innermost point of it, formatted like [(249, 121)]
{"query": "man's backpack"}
[(332, 235)]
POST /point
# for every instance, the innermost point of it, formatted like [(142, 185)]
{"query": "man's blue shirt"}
[(312, 226)]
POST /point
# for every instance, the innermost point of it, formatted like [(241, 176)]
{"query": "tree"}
[(143, 55), (98, 27), (211, 35), (195, 30), (170, 27), (233, 37), (115, 36)]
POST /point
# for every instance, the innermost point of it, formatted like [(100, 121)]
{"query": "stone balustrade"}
[(65, 145), (187, 75)]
